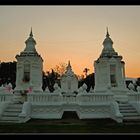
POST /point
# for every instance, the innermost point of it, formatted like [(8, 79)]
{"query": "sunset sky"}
[(72, 33)]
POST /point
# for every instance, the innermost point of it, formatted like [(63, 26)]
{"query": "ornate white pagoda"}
[(69, 81), (29, 67), (109, 70)]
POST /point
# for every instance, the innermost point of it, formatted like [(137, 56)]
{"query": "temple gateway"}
[(109, 99)]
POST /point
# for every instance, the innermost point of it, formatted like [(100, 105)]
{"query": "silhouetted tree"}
[(60, 69), (89, 81), (49, 79), (138, 81), (8, 73), (127, 82), (86, 71)]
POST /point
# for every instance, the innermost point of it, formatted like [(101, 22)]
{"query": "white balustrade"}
[(51, 97), (42, 98), (90, 97), (56, 98), (69, 99), (2, 98), (6, 97), (134, 97)]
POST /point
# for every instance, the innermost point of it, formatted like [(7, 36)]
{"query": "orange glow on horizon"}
[(78, 65)]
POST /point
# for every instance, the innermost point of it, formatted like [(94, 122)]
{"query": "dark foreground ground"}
[(69, 126)]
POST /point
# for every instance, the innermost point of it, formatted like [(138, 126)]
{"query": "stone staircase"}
[(10, 115), (130, 114)]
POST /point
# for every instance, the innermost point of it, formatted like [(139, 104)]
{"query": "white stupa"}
[(69, 81), (109, 69), (29, 67)]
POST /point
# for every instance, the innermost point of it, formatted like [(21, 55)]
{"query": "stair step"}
[(15, 106), (10, 114), (131, 123), (123, 102), (130, 114), (7, 121), (15, 103), (132, 118), (13, 110), (126, 108), (128, 111), (9, 118), (124, 105)]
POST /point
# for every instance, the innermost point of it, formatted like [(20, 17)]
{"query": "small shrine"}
[(69, 81)]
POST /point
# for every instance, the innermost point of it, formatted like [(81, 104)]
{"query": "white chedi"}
[(131, 86), (57, 89), (91, 90), (80, 89), (2, 88), (138, 89), (69, 81), (10, 85), (47, 90), (29, 67), (8, 88), (84, 87)]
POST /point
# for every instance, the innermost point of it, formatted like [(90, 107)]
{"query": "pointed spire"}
[(69, 62), (108, 49), (31, 33), (107, 39), (69, 69), (69, 65), (107, 33), (30, 43)]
